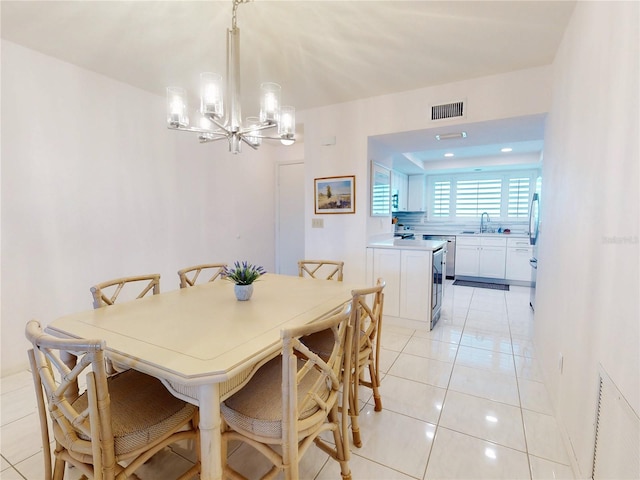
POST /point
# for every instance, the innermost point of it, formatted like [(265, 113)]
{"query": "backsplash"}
[(418, 222)]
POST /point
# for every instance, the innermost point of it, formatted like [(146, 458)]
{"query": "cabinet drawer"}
[(464, 240), (493, 242), (518, 242)]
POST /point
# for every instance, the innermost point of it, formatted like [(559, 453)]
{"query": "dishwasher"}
[(451, 251)]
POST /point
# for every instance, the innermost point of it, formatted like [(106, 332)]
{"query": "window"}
[(473, 197), (518, 206), (505, 195), (441, 198), (380, 190)]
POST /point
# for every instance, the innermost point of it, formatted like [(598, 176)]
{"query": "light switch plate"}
[(317, 223)]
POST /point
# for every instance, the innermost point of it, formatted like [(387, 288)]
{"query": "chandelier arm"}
[(209, 140), (222, 134), (249, 130), (242, 137), (273, 138), (221, 126)]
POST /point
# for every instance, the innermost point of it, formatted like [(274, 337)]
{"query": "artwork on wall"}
[(335, 194)]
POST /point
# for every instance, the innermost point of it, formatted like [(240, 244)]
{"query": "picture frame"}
[(380, 190), (335, 194)]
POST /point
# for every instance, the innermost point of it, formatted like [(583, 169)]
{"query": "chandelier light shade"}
[(220, 112)]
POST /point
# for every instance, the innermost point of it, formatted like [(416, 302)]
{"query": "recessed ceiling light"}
[(506, 149), (449, 154)]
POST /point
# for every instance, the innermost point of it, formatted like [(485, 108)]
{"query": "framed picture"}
[(335, 194), (380, 190)]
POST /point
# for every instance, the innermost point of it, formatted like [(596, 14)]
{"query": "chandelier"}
[(220, 115)]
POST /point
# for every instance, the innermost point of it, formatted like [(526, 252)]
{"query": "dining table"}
[(202, 343)]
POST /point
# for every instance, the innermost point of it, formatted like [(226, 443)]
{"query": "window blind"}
[(381, 198), (518, 201), (473, 197), (441, 198)]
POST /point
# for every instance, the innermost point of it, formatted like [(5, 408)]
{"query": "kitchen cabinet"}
[(417, 193), (386, 264), (479, 256), (415, 292), (518, 254), (408, 277), (400, 187)]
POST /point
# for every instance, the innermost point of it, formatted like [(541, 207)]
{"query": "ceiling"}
[(321, 52), (420, 150)]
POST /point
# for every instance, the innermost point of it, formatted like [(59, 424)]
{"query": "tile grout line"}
[(446, 392), (524, 432)]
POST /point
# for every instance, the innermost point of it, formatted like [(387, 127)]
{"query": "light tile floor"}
[(464, 401)]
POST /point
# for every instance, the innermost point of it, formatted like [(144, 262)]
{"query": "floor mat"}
[(493, 286)]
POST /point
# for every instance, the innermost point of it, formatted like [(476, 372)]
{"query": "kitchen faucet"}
[(483, 227)]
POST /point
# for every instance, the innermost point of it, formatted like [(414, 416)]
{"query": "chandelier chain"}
[(235, 9)]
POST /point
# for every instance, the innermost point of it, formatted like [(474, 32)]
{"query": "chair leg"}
[(342, 453), (354, 411), (375, 383)]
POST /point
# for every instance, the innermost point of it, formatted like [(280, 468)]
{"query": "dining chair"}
[(106, 293), (326, 269), (189, 276), (366, 318), (293, 399), (111, 427)]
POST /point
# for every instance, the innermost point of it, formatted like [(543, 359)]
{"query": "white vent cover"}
[(448, 110), (617, 448)]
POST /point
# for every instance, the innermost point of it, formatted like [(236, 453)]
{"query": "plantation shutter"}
[(441, 198), (518, 206), (474, 197)]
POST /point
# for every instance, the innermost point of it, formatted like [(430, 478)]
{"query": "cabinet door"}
[(415, 280), (492, 262), (467, 260), (386, 265), (400, 185), (417, 199), (518, 267)]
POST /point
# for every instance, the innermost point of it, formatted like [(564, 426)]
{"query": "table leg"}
[(210, 436)]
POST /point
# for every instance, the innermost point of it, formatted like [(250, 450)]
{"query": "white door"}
[(290, 217)]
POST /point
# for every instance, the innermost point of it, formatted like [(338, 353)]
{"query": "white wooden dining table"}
[(202, 342)]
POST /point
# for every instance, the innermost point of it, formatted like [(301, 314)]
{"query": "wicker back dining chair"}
[(293, 399), (366, 305), (366, 318), (325, 269), (211, 272), (115, 425), (106, 293)]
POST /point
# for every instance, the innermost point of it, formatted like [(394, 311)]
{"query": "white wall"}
[(94, 186), (344, 236), (587, 300)]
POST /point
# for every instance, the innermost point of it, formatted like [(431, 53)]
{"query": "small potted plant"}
[(243, 275)]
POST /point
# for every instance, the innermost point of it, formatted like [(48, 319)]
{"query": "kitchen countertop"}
[(408, 244)]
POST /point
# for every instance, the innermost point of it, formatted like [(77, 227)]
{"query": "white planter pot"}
[(243, 292)]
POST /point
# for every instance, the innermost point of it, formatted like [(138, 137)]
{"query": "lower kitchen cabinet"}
[(518, 254), (385, 264), (481, 257), (407, 274)]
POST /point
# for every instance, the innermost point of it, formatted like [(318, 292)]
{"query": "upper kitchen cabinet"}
[(399, 191), (417, 193)]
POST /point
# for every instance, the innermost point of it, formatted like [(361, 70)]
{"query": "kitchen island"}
[(413, 272)]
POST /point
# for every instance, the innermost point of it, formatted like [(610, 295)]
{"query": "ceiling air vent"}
[(447, 110)]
